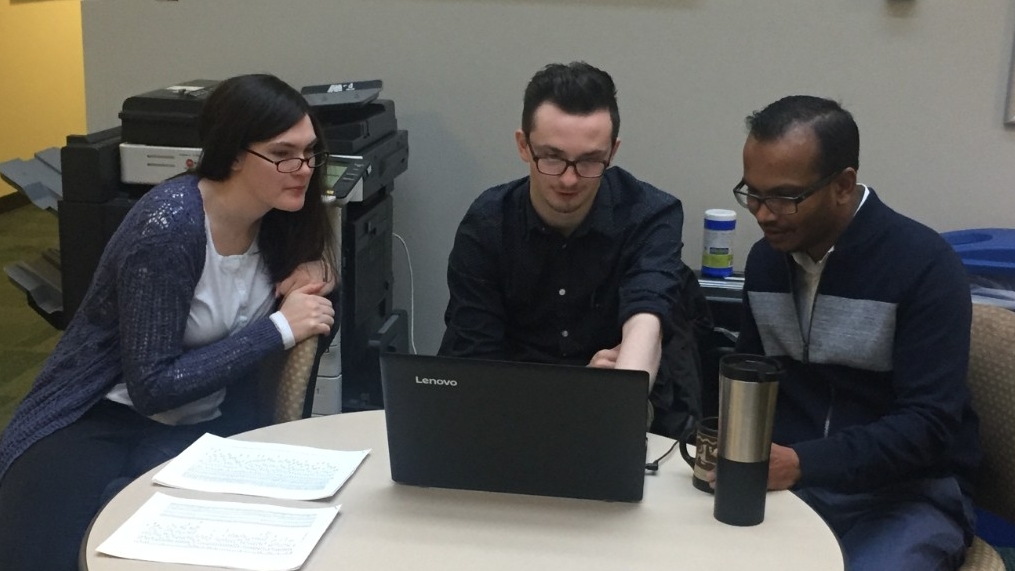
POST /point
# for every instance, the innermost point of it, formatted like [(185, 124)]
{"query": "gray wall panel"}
[(926, 80)]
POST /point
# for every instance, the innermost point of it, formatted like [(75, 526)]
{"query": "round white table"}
[(384, 525)]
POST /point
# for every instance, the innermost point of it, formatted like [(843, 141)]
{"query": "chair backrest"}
[(991, 380), (679, 364), (293, 396)]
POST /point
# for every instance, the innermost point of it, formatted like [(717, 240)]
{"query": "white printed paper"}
[(236, 535), (215, 464)]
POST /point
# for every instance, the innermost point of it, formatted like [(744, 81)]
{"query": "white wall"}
[(925, 79)]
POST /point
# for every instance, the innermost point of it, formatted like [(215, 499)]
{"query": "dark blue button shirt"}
[(521, 291)]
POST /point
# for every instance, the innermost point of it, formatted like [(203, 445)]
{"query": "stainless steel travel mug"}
[(748, 387)]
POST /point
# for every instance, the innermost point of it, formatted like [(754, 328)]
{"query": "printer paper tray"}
[(40, 280)]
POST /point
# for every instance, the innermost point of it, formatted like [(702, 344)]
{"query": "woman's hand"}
[(306, 274), (307, 312)]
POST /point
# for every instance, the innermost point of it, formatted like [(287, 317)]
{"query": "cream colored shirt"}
[(807, 280)]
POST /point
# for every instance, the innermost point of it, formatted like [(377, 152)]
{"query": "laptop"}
[(496, 426)]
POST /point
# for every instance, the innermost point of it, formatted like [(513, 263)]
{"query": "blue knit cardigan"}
[(130, 326)]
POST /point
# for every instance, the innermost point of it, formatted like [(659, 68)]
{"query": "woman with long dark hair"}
[(211, 276)]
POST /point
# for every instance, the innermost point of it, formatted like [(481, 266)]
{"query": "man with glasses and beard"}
[(578, 262), (869, 313)]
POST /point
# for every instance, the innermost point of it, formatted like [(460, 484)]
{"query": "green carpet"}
[(25, 337)]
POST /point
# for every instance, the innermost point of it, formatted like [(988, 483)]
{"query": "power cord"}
[(653, 466), (412, 296), (688, 429)]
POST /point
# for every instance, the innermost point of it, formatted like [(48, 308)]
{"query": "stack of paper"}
[(215, 464), (236, 535), (259, 537)]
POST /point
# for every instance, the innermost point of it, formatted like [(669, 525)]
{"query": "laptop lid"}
[(550, 430)]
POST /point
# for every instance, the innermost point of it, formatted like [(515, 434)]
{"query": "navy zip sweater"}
[(877, 394)]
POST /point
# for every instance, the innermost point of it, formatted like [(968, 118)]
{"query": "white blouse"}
[(232, 292)]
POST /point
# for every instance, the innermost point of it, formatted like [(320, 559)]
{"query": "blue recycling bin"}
[(988, 252), (989, 257)]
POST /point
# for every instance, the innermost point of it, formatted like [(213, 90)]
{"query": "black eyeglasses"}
[(294, 164), (778, 204), (553, 166)]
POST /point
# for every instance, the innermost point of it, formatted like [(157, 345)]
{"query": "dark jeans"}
[(51, 493), (922, 525)]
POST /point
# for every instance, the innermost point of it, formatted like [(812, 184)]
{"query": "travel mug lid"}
[(750, 368)]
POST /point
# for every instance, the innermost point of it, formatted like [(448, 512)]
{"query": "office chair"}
[(678, 405), (294, 394), (991, 380)]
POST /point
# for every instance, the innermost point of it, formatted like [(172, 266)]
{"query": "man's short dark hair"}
[(576, 88), (836, 131)]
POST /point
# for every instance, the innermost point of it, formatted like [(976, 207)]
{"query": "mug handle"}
[(689, 437)]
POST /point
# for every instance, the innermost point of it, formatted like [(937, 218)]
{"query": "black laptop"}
[(548, 430)]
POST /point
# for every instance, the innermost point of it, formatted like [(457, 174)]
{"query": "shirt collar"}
[(807, 264), (599, 219)]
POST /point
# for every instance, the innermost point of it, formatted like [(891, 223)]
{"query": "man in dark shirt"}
[(577, 263)]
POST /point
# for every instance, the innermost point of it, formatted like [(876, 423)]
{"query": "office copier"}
[(100, 175)]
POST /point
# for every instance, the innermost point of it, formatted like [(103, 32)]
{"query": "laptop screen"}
[(551, 430)]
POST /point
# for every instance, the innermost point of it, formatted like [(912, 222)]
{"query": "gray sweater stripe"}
[(855, 333)]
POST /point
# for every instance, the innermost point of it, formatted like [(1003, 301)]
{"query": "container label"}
[(717, 258)]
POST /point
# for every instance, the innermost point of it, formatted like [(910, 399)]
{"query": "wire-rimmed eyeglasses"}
[(778, 204), (554, 166), (294, 164)]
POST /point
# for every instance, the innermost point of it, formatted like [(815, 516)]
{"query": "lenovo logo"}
[(442, 382)]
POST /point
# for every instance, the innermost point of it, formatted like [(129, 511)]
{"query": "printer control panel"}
[(344, 179)]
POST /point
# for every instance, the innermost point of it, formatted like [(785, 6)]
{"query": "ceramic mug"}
[(705, 438)]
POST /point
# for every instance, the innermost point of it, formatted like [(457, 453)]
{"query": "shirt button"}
[(564, 333), (562, 291)]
